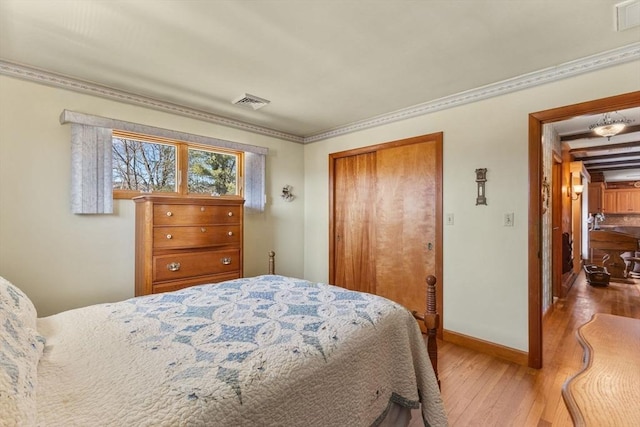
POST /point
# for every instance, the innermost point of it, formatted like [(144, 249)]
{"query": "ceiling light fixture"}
[(608, 126)]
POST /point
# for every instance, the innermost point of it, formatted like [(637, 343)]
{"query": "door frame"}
[(536, 121), (437, 137), (556, 228)]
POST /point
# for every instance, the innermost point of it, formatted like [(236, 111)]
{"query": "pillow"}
[(20, 351), (18, 303)]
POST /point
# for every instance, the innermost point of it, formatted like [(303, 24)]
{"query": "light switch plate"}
[(508, 219), (449, 219)]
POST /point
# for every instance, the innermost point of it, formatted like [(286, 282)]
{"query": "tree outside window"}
[(142, 166), (211, 173)]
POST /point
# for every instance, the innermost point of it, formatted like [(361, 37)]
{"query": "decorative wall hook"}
[(481, 178), (287, 195), (546, 194)]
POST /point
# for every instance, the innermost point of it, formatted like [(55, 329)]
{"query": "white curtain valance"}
[(91, 160), (103, 122)]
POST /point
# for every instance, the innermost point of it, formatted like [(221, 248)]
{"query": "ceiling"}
[(617, 158), (323, 65)]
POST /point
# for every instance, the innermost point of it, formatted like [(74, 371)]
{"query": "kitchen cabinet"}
[(621, 201), (628, 201), (609, 204), (596, 197)]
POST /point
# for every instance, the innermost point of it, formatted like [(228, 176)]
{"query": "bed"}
[(267, 350)]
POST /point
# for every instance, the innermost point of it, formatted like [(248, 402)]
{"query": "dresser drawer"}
[(166, 214), (194, 237), (174, 285), (190, 264)]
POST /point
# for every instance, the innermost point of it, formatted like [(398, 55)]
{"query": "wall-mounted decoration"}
[(287, 195), (546, 195), (481, 178)]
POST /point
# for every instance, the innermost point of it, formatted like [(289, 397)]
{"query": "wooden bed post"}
[(431, 321), (272, 262)]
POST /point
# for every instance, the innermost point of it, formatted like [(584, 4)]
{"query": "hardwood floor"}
[(480, 390)]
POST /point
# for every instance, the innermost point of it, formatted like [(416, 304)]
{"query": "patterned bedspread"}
[(262, 351)]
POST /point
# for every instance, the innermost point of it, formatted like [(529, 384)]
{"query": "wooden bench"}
[(606, 392)]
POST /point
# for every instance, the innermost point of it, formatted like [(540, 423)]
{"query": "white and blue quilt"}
[(261, 351)]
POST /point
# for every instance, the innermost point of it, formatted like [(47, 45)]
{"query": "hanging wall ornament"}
[(287, 195), (546, 195), (481, 178)]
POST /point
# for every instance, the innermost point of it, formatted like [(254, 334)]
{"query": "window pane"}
[(143, 166), (212, 173)]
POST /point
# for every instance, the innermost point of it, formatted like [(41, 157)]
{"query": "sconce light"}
[(575, 190)]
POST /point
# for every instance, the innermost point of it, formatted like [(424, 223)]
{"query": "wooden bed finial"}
[(272, 262), (431, 321)]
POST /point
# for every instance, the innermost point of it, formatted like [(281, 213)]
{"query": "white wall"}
[(485, 264), (62, 260)]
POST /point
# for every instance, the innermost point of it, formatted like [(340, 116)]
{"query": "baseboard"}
[(492, 349)]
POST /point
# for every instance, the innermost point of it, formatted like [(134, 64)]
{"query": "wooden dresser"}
[(182, 242)]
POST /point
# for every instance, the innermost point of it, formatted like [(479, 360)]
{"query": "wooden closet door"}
[(354, 220), (386, 219), (406, 222)]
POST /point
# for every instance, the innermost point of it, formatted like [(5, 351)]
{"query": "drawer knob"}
[(169, 236), (174, 266), (169, 213), (226, 261), (230, 214), (230, 233), (201, 208), (202, 229)]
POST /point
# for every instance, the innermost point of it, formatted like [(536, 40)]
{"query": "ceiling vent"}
[(627, 15), (251, 101)]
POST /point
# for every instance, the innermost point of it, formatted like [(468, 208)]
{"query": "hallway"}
[(480, 390)]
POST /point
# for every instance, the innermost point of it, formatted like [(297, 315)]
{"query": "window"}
[(143, 163), (212, 172), (93, 156)]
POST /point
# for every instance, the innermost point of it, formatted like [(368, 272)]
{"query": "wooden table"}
[(612, 244), (606, 392)]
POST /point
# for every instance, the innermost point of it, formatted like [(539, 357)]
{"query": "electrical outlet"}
[(508, 219), (449, 219)]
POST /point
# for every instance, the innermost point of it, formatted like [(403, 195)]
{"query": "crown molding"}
[(59, 81), (569, 69)]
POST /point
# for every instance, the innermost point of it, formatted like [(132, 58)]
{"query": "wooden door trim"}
[(438, 139), (556, 224), (536, 120)]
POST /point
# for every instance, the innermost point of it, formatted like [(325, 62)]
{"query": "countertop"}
[(631, 230)]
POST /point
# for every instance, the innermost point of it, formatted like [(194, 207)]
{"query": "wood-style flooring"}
[(480, 390)]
